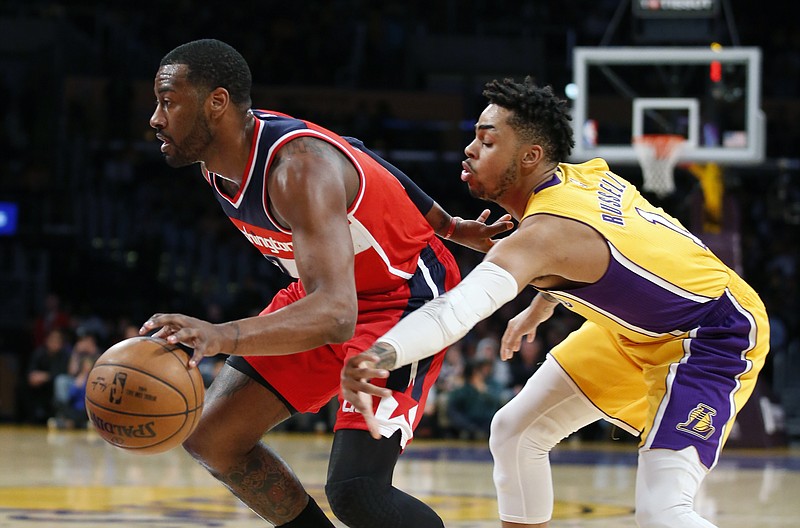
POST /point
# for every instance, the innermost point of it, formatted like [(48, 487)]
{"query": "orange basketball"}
[(142, 397)]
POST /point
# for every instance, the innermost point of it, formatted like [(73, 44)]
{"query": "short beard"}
[(508, 178), (193, 146)]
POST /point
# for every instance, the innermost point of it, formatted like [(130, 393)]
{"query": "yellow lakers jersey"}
[(661, 280)]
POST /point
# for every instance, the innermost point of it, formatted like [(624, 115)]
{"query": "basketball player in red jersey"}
[(360, 238)]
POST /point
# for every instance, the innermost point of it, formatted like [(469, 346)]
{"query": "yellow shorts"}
[(677, 391)]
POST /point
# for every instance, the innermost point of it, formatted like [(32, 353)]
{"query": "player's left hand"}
[(357, 389), (477, 234), (524, 325), (205, 338)]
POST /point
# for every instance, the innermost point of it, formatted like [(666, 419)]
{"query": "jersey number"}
[(655, 218)]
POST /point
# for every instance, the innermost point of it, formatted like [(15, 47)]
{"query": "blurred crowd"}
[(63, 351)]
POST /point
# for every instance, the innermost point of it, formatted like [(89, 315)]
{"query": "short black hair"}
[(538, 115), (212, 64)]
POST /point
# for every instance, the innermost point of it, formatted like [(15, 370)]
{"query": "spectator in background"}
[(471, 406), (69, 388), (48, 361), (488, 348), (123, 328), (525, 362), (86, 344), (72, 413), (451, 377), (52, 317), (452, 372)]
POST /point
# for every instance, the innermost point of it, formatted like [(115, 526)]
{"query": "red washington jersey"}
[(387, 229)]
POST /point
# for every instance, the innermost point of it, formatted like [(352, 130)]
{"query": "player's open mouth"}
[(466, 172), (164, 142)]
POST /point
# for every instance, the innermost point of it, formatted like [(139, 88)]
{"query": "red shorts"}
[(308, 380)]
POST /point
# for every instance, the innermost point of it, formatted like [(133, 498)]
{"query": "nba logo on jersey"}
[(699, 423)]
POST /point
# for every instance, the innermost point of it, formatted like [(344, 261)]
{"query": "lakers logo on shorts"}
[(700, 422)]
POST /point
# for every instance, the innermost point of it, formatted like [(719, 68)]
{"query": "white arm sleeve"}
[(448, 318)]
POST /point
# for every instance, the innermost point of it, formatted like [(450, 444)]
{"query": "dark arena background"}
[(97, 232)]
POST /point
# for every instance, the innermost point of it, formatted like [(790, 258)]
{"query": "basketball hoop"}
[(658, 154)]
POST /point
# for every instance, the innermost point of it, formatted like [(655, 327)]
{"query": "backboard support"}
[(710, 96)]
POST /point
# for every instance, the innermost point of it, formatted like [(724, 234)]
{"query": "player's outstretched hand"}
[(479, 235), (524, 324), (357, 389), (205, 338)]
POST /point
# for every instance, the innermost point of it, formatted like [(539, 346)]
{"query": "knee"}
[(214, 453), (501, 431), (509, 434), (356, 502), (198, 447)]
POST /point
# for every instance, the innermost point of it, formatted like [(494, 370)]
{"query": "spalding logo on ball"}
[(142, 397)]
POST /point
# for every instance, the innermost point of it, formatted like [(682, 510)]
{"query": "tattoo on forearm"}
[(387, 355)]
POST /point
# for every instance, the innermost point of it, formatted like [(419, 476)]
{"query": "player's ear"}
[(218, 100), (531, 155)]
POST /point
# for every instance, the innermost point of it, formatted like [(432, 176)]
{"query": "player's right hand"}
[(206, 339), (356, 388), (479, 235)]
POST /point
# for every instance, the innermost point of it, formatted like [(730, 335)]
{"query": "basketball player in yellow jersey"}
[(673, 340)]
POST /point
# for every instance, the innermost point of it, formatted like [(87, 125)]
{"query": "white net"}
[(658, 154)]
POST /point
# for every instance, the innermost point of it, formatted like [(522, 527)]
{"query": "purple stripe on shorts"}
[(700, 396)]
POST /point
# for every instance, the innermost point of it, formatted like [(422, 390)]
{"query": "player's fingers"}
[(162, 332), (160, 320), (363, 404), (373, 426), (374, 390), (196, 358), (358, 380), (148, 325), (362, 367), (499, 227), (503, 222), (352, 388), (510, 342), (355, 399), (190, 337), (507, 353), (483, 216), (368, 372)]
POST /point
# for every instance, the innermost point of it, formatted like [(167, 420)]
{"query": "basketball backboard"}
[(710, 96)]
